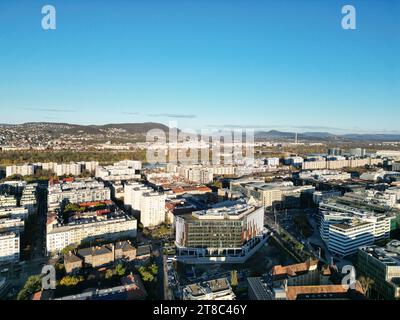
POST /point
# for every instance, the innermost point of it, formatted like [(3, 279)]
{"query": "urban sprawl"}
[(282, 227)]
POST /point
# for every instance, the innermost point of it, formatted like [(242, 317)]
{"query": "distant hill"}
[(282, 135), (131, 128)]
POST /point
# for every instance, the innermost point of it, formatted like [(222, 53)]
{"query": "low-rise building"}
[(382, 265), (218, 289)]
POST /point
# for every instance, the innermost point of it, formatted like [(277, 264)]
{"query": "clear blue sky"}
[(273, 64)]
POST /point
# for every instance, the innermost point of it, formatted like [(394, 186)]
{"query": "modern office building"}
[(350, 221), (225, 234)]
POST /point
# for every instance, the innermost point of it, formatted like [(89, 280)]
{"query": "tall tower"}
[(295, 138)]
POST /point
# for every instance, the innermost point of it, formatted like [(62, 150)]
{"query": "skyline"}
[(202, 64)]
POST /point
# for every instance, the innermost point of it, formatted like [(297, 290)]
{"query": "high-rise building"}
[(152, 209), (226, 234)]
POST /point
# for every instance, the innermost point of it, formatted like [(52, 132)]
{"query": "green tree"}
[(146, 275), (234, 278), (71, 281), (120, 270), (68, 248), (109, 274), (153, 268), (299, 247), (366, 284), (32, 285)]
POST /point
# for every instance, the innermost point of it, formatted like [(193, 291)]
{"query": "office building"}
[(382, 265), (224, 234)]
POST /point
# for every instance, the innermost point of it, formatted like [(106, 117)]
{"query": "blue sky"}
[(285, 65)]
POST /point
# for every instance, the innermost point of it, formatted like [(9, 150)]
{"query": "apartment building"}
[(133, 193), (324, 175), (28, 198), (80, 190), (152, 209), (112, 226), (338, 162), (73, 169), (309, 280), (7, 201), (272, 162), (122, 170), (269, 194), (9, 247), (23, 170)]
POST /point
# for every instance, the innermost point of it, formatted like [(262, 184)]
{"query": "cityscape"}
[(213, 168)]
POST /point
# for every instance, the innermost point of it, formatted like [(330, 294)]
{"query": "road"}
[(18, 273)]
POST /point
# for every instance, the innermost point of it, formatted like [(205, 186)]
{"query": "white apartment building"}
[(133, 194), (8, 201), (198, 174), (23, 170), (325, 175), (59, 236), (122, 170), (152, 209), (76, 191), (28, 198), (223, 170), (14, 212), (72, 168), (9, 247), (272, 162), (12, 224)]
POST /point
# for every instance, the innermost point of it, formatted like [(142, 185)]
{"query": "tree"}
[(32, 285), (146, 275), (153, 268), (68, 248), (71, 281), (109, 274), (120, 270), (234, 278), (299, 246), (366, 284)]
